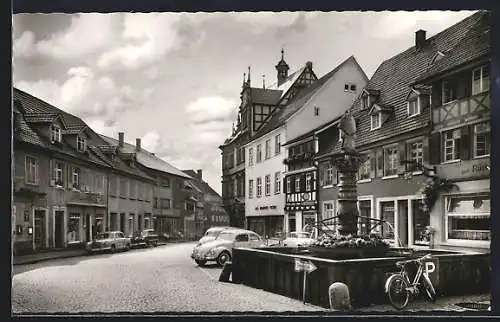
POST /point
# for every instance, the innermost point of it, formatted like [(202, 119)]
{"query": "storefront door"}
[(39, 233), (59, 229), (88, 227), (421, 220)]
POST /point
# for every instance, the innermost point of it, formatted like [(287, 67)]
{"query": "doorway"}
[(88, 225), (59, 229), (39, 233), (122, 222)]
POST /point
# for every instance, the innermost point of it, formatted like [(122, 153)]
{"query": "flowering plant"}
[(351, 241)]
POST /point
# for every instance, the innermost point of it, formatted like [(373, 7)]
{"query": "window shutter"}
[(373, 164), (465, 144), (303, 182), (425, 150), (380, 163), (402, 156), (51, 171), (335, 175), (284, 185), (434, 148), (321, 174)]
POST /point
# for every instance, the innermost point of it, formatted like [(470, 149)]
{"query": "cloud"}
[(24, 46), (148, 38), (151, 141), (261, 21), (100, 126), (212, 108)]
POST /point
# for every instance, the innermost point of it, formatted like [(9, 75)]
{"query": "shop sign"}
[(465, 169), (302, 198)]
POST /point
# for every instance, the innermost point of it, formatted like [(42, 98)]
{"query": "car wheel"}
[(200, 262), (113, 248), (223, 258)]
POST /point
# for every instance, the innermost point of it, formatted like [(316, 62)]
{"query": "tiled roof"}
[(26, 134), (283, 113), (394, 77), (290, 80), (265, 96), (108, 149), (73, 130), (147, 159), (202, 184)]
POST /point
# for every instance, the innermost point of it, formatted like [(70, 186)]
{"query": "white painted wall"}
[(269, 166), (331, 99)]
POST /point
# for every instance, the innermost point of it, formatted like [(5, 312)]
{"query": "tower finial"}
[(248, 75), (282, 54), (244, 76), (264, 81)]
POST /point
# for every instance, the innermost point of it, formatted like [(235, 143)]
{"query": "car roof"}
[(240, 230)]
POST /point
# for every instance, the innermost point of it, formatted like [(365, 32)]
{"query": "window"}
[(133, 189), (165, 182), (250, 188), (99, 183), (268, 149), (58, 174), (55, 134), (268, 184), (76, 178), (353, 87), (277, 144), (469, 218), (74, 228), (241, 238), (365, 169), (349, 87), (277, 183), (328, 210), (375, 121), (259, 153), (288, 185), (482, 139), (329, 174), (297, 183), (391, 161), (308, 182), (80, 143), (346, 87), (165, 203), (414, 107), (123, 187), (155, 202), (365, 101), (250, 156), (31, 169), (259, 187), (480, 80), (388, 216), (316, 111), (449, 93), (416, 151), (451, 145)]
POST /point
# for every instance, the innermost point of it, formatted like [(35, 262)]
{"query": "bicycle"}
[(399, 288)]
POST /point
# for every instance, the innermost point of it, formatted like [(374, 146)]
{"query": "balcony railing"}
[(474, 106)]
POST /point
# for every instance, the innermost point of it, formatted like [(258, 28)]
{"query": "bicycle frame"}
[(416, 279)]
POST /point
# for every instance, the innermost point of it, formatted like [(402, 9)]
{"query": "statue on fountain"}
[(347, 127)]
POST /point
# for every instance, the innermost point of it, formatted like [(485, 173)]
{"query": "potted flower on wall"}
[(429, 235)]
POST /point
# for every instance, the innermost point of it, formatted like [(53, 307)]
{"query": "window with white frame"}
[(250, 189), (365, 169), (268, 184), (416, 152), (469, 217), (58, 173), (308, 182), (76, 178), (375, 121), (414, 106), (277, 144), (297, 183), (259, 153), (365, 101), (480, 80), (388, 216), (449, 91), (329, 174), (80, 143), (391, 161), (259, 187), (328, 209), (288, 185), (31, 169), (277, 182), (250, 156), (268, 149), (451, 145), (55, 133), (482, 139)]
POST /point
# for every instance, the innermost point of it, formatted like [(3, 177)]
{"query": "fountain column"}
[(347, 164)]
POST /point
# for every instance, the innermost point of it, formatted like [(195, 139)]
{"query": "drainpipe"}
[(107, 205)]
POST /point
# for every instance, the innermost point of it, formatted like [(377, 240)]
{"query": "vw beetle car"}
[(146, 238), (211, 234), (220, 249), (298, 239), (108, 241)]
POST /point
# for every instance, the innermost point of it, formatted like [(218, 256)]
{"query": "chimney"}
[(121, 135), (138, 144), (199, 172), (309, 64), (420, 39)]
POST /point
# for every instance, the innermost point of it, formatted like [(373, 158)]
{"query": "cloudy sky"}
[(174, 79)]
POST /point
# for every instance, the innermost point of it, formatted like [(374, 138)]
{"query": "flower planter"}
[(348, 252)]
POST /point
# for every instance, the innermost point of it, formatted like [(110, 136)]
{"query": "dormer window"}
[(55, 134), (365, 101), (81, 143), (414, 106), (376, 121)]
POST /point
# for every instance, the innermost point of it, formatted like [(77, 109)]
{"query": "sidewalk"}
[(442, 304)]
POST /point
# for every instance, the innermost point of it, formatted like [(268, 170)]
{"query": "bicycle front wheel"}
[(429, 288), (397, 291)]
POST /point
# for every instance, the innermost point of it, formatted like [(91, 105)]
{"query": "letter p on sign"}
[(429, 267)]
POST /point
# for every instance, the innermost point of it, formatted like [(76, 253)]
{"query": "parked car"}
[(109, 241), (211, 234), (298, 239), (220, 249), (146, 238)]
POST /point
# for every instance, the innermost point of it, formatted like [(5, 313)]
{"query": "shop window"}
[(469, 218), (421, 220), (74, 228), (482, 140), (387, 215)]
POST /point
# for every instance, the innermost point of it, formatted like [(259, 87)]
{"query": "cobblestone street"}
[(150, 280)]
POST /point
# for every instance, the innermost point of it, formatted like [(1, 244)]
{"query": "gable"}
[(59, 121)]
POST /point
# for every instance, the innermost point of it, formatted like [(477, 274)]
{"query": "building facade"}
[(434, 111)]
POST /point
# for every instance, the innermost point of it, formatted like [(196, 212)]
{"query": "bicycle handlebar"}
[(416, 260)]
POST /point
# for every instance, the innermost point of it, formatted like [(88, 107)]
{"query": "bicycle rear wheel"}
[(397, 291), (429, 288)]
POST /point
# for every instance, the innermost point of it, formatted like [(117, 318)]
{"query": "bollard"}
[(226, 272), (338, 294)]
